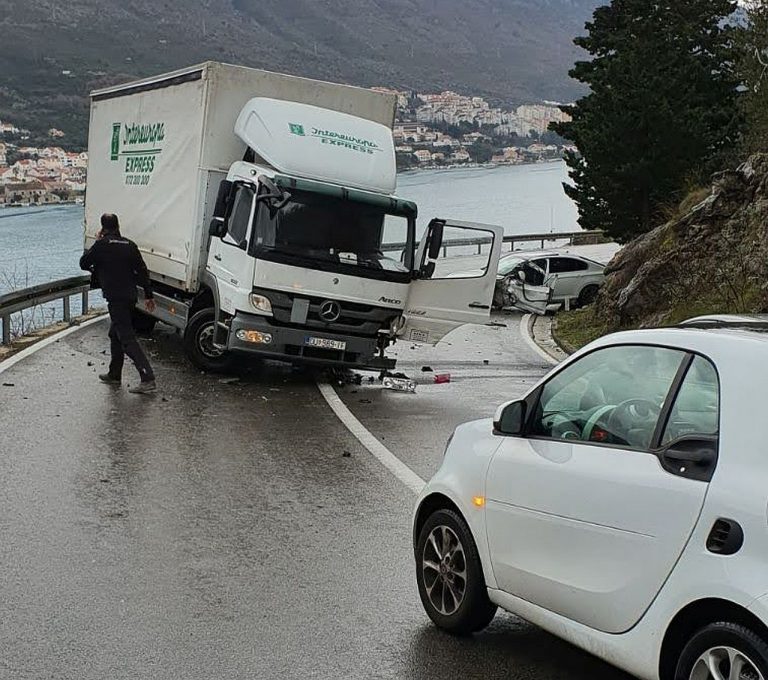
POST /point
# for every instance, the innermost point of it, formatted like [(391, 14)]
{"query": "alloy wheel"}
[(444, 570), (724, 663)]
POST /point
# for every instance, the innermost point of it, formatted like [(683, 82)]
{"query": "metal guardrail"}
[(19, 300), (570, 236)]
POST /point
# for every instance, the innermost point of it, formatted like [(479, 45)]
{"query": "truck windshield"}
[(335, 234)]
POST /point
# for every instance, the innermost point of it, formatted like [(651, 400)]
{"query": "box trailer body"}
[(263, 205), (159, 147)]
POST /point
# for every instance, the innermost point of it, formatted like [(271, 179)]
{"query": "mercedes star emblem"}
[(330, 311)]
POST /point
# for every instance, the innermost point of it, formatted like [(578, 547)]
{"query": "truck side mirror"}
[(275, 197), (434, 243), (218, 225)]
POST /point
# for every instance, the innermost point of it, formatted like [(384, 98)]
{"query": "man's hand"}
[(150, 305)]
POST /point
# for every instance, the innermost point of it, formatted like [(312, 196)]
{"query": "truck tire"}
[(198, 343), (143, 323)]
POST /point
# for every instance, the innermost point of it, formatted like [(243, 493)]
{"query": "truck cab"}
[(315, 259)]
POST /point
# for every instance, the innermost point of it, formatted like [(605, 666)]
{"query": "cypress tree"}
[(661, 108), (754, 73)]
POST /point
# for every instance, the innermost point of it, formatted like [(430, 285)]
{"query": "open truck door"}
[(456, 266)]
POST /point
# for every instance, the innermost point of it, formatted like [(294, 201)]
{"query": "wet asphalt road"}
[(227, 529)]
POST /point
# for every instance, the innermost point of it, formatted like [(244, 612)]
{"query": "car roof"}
[(536, 254), (712, 341)]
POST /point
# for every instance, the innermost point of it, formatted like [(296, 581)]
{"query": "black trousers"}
[(123, 341)]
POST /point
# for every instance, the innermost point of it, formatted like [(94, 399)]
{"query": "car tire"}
[(198, 337), (722, 643), (444, 550), (143, 323), (588, 295)]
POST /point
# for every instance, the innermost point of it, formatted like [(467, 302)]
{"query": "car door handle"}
[(477, 305), (217, 257)]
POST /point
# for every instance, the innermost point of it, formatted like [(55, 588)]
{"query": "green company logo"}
[(139, 145), (336, 139), (115, 148)]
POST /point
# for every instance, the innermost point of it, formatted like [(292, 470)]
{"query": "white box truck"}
[(264, 207)]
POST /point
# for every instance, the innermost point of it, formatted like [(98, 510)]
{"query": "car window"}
[(561, 265), (612, 396), (697, 406), (541, 263)]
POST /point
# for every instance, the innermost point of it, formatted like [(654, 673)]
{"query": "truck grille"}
[(354, 318)]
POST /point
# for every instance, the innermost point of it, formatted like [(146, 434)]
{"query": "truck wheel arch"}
[(208, 295)]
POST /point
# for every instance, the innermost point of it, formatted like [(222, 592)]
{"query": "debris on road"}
[(346, 454), (398, 383), (442, 378), (9, 385), (426, 369)]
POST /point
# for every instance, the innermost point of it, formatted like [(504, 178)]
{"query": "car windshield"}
[(335, 232), (507, 264)]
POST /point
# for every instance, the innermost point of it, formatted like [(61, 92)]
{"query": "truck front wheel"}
[(198, 343)]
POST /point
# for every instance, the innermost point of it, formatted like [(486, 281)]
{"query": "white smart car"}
[(622, 505)]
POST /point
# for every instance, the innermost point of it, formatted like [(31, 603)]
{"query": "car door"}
[(228, 258), (455, 282), (569, 273), (588, 513)]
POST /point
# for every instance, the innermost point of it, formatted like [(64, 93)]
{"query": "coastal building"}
[(3, 154), (8, 128), (423, 155), (29, 193)]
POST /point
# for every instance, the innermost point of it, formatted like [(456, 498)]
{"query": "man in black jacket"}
[(116, 263)]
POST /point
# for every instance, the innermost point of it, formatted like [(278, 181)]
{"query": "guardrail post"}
[(479, 248), (84, 303), (6, 329), (67, 311)]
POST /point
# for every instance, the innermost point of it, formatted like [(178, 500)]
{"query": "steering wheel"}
[(622, 418), (629, 415)]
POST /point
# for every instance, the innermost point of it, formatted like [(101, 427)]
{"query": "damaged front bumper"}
[(254, 334)]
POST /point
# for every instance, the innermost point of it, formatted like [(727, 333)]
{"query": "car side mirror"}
[(510, 419)]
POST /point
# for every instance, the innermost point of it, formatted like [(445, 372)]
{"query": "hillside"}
[(712, 258), (510, 51)]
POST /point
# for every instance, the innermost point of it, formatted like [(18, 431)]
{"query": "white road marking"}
[(388, 459), (524, 322), (16, 358)]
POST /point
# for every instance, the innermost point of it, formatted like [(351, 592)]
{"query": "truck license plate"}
[(325, 343)]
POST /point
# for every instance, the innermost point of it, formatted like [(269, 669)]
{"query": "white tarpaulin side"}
[(143, 165), (231, 87), (307, 141)]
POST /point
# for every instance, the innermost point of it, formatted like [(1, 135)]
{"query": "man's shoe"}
[(110, 380), (144, 387)]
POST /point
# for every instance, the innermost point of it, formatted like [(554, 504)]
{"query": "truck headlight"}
[(261, 303)]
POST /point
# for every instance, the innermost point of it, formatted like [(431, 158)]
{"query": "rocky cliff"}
[(711, 258)]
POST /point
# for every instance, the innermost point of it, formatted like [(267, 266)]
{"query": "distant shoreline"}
[(479, 166)]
